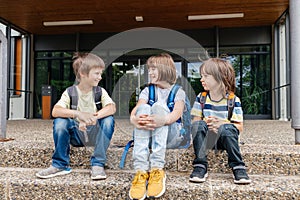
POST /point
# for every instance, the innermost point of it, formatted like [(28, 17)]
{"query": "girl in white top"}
[(152, 125)]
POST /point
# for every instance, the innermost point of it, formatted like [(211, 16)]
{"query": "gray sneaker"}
[(52, 172), (98, 173)]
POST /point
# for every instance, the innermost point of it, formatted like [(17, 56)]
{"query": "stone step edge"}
[(245, 148), (21, 182), (177, 160)]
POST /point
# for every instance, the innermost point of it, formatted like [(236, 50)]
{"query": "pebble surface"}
[(268, 149)]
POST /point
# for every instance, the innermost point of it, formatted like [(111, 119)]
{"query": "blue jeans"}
[(145, 139), (66, 132), (227, 139)]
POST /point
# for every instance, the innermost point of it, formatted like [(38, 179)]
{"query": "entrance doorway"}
[(129, 75), (127, 80)]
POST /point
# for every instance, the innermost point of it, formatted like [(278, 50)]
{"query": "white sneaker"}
[(98, 173), (52, 172)]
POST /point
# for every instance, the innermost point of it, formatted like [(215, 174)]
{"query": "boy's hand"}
[(87, 118), (82, 126), (213, 123)]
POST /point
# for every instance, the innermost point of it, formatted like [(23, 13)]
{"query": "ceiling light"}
[(68, 23), (216, 16), (139, 18)]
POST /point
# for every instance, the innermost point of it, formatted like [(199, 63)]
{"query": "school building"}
[(261, 38)]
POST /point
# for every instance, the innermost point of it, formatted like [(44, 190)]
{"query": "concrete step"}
[(260, 159), (266, 145), (21, 183)]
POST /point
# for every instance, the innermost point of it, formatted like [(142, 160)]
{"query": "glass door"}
[(127, 80), (253, 84), (253, 81)]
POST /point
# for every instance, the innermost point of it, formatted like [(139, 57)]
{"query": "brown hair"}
[(84, 62), (222, 71), (165, 66)]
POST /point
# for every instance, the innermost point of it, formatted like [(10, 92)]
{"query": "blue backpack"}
[(174, 141)]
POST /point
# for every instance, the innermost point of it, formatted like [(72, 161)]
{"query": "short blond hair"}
[(165, 66), (84, 62)]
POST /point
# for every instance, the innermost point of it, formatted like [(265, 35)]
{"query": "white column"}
[(295, 66), (282, 73), (3, 84)]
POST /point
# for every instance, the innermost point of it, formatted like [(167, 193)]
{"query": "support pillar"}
[(3, 85), (295, 66)]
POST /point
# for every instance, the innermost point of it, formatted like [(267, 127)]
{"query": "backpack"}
[(174, 141), (230, 103), (73, 94)]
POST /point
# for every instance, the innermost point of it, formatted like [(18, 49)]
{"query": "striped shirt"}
[(217, 109)]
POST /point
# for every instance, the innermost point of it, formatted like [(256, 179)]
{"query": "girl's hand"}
[(157, 121), (141, 122)]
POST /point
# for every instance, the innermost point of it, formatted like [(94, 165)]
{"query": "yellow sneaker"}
[(138, 186), (157, 183)]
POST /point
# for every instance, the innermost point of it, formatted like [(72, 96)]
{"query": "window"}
[(16, 64), (3, 28), (253, 82), (252, 65), (54, 69)]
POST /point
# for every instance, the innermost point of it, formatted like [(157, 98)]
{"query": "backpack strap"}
[(97, 94), (202, 99), (73, 94), (124, 155), (230, 104), (171, 97), (152, 97)]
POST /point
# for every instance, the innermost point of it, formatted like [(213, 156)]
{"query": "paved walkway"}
[(255, 132)]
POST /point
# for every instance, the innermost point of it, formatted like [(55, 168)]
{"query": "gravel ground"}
[(272, 132), (269, 152)]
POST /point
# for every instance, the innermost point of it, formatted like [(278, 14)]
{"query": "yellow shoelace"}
[(139, 178), (155, 176)]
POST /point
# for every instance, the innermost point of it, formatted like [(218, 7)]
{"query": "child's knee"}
[(199, 127), (60, 123), (159, 109), (108, 121), (107, 125), (228, 130), (143, 109)]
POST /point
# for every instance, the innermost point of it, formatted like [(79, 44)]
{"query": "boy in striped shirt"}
[(215, 125)]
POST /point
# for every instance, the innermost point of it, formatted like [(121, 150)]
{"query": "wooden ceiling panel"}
[(116, 15)]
